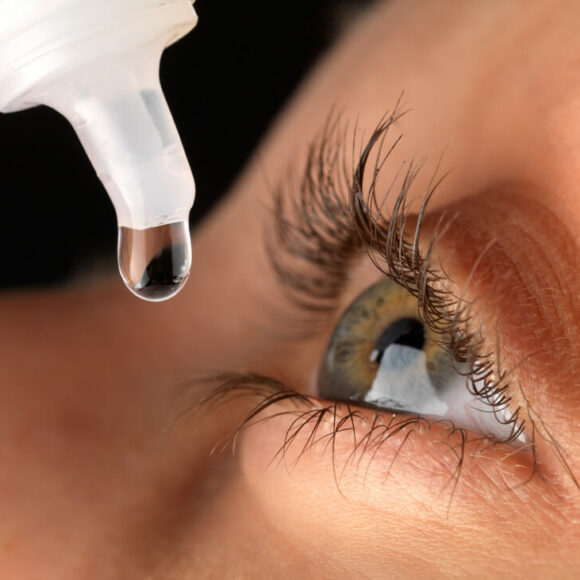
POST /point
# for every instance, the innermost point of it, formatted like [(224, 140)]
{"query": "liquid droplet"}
[(155, 262)]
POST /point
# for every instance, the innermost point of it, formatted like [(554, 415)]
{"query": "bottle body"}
[(97, 63), (42, 40)]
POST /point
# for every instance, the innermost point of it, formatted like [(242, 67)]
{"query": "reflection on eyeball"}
[(382, 354)]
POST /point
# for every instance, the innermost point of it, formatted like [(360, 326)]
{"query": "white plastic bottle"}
[(97, 63)]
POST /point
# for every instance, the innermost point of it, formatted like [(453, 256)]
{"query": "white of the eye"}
[(402, 383)]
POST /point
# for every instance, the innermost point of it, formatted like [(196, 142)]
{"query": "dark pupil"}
[(406, 331)]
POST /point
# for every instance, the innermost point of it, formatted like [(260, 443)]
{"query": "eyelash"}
[(315, 240)]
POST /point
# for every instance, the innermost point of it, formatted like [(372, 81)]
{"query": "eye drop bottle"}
[(97, 63)]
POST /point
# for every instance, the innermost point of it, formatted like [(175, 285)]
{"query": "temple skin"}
[(99, 480)]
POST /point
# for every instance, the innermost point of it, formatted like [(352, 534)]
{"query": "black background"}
[(224, 83)]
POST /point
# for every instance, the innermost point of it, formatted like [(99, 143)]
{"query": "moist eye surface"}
[(381, 353)]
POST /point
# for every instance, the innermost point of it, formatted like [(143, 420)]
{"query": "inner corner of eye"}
[(381, 354)]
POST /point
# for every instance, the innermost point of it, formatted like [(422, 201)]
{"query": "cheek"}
[(400, 505)]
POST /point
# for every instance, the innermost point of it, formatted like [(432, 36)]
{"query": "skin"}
[(97, 481)]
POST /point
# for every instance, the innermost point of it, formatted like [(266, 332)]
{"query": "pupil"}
[(413, 336), (406, 331)]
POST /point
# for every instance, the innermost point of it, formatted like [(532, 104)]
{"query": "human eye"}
[(399, 349), (384, 353)]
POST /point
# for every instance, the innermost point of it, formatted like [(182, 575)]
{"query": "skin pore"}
[(99, 478)]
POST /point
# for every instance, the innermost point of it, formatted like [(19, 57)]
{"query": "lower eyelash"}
[(320, 423)]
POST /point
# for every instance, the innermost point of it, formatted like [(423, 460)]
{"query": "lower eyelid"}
[(364, 454), (410, 491), (366, 435)]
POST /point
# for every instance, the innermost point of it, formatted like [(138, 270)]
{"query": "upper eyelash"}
[(314, 228)]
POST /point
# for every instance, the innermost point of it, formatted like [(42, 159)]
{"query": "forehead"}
[(490, 87), (493, 86)]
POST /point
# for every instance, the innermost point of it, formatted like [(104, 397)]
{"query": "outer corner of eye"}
[(382, 353)]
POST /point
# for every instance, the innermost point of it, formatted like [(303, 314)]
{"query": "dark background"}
[(224, 82)]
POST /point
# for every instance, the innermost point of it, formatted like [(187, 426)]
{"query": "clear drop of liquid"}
[(155, 262)]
